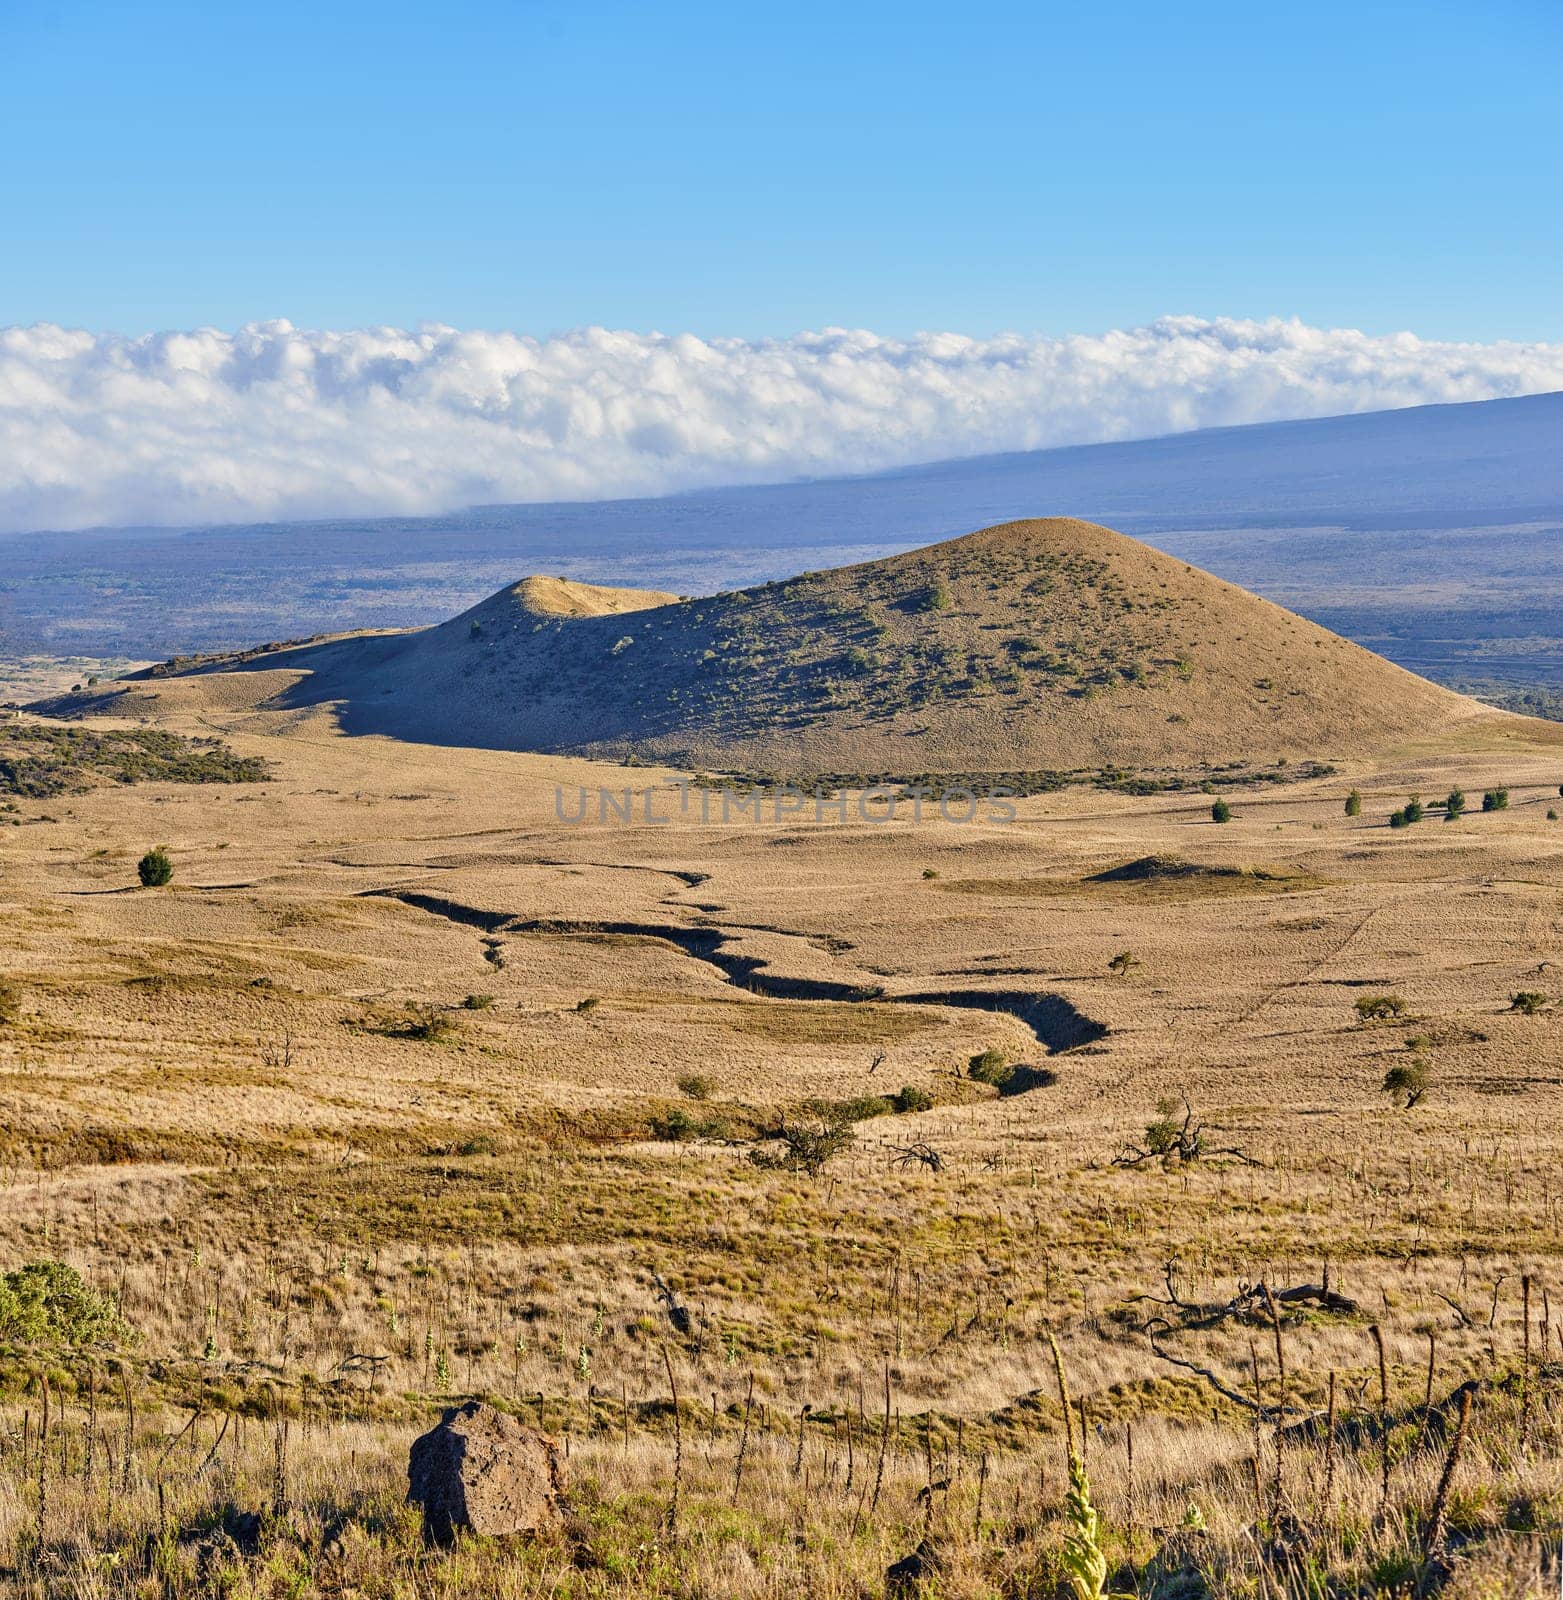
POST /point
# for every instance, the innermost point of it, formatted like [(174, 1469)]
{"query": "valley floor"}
[(406, 1090)]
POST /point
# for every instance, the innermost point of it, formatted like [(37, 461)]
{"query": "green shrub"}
[(674, 1125), (49, 1303), (1527, 1001), (426, 1021), (991, 1067), (155, 869), (1221, 812), (1354, 803), (1495, 800), (910, 1098), (1398, 819), (1414, 809), (696, 1086), (937, 597), (588, 1005), (1380, 1007), (477, 1002), (858, 1109), (1454, 805)]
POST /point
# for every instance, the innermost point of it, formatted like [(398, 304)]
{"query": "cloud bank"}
[(278, 422)]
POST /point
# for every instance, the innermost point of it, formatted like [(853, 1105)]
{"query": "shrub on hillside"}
[(155, 869), (49, 1303), (1380, 1007), (1221, 812), (803, 1146), (991, 1067), (1354, 804)]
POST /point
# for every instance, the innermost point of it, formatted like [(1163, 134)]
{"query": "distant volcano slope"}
[(1042, 645)]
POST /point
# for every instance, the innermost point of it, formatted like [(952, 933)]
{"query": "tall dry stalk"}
[(1383, 1419), (678, 1449), (1085, 1562), (1433, 1533)]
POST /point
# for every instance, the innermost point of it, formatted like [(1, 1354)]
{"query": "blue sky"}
[(732, 170)]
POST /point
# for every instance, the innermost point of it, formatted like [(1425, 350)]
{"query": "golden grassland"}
[(339, 1158)]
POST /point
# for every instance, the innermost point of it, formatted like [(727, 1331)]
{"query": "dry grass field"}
[(405, 1090)]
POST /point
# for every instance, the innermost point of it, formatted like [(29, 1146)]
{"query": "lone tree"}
[(1408, 1082), (155, 869), (804, 1145), (1354, 803), (1380, 1007), (1221, 812), (1528, 1002), (1167, 1140), (1123, 963)]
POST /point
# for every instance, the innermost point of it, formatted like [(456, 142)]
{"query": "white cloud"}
[(279, 422)]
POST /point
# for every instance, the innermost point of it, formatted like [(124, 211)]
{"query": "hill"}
[(1033, 646), (1428, 534)]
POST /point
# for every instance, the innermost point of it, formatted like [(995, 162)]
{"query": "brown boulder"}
[(484, 1470)]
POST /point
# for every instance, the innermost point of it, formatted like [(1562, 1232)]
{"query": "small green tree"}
[(1354, 803), (1123, 963), (1408, 1082), (1527, 1002), (1398, 819), (1495, 800), (1414, 809), (1454, 805), (1221, 812), (1380, 1007), (155, 869)]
